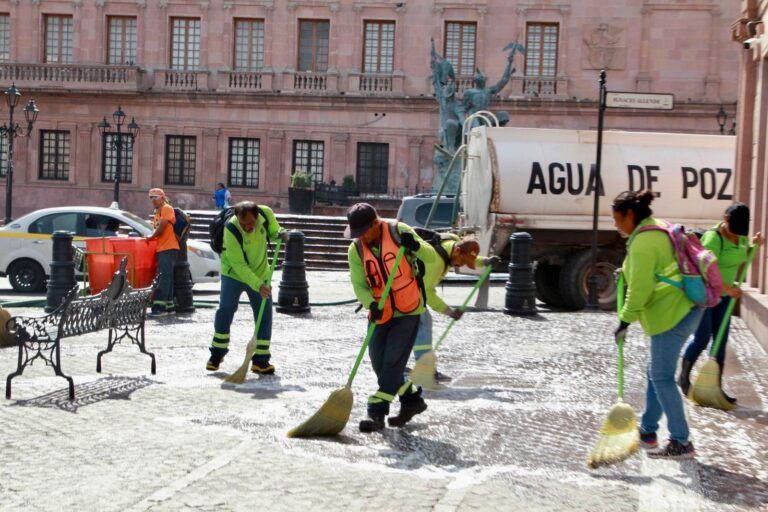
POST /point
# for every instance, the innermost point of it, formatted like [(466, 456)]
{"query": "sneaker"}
[(649, 441), (262, 368), (407, 411), (213, 363), (373, 424), (675, 450), (441, 377), (728, 397), (158, 313)]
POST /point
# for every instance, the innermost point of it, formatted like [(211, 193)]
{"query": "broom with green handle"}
[(333, 415), (423, 372), (239, 376), (619, 437), (706, 389)]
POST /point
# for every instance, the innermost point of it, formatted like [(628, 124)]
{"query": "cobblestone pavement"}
[(510, 433)]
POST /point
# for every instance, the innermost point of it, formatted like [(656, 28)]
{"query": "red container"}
[(105, 254)]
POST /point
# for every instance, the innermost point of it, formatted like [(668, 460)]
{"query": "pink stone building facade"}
[(247, 92), (749, 34)]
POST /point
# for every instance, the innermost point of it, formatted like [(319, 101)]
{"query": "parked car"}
[(26, 245), (414, 211)]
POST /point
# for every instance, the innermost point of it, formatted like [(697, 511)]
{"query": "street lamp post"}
[(10, 131), (117, 144), (721, 117)]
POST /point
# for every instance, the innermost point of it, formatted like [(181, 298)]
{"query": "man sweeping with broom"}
[(371, 257), (244, 268), (452, 252)]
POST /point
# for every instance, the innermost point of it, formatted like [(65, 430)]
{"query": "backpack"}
[(435, 238), (221, 222), (182, 225), (702, 282)]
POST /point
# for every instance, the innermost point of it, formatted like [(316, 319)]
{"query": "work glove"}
[(375, 312), (283, 234), (408, 241), (454, 313), (491, 261), (621, 331)]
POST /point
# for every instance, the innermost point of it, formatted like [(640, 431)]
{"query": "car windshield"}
[(146, 227)]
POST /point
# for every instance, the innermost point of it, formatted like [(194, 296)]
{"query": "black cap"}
[(738, 219), (360, 217)]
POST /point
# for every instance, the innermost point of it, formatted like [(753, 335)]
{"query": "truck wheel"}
[(574, 279), (26, 276), (547, 277)]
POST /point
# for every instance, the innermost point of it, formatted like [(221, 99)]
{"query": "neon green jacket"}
[(426, 254), (657, 305), (730, 256), (255, 272), (436, 272)]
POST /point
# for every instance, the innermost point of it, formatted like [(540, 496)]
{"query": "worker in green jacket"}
[(453, 252), (371, 258), (729, 241), (244, 268), (665, 314)]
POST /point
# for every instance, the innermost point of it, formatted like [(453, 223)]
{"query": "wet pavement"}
[(511, 432)]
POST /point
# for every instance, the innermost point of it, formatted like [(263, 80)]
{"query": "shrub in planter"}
[(300, 194)]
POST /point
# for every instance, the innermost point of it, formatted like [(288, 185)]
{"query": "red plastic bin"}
[(105, 254)]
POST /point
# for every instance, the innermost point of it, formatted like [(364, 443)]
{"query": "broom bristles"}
[(239, 376), (619, 437), (423, 372), (706, 390), (330, 419)]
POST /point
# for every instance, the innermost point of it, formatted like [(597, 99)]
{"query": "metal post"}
[(293, 295), (119, 148), (520, 298), (592, 290), (11, 134), (62, 270)]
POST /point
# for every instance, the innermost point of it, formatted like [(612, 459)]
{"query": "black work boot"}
[(408, 410), (374, 423), (684, 381), (720, 383)]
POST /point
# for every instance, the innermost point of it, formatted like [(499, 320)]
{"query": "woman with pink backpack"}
[(664, 311)]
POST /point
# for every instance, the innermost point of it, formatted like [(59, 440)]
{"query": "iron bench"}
[(119, 308)]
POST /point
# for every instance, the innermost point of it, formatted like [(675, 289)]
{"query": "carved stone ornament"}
[(77, 3), (415, 140), (163, 4), (604, 46), (275, 134), (227, 5), (100, 3), (339, 137), (205, 4)]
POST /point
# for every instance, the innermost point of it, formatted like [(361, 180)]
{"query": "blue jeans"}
[(663, 395), (231, 290), (423, 343), (164, 295), (710, 323)]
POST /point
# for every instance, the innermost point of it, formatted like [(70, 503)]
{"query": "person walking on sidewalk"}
[(665, 313), (371, 257), (221, 196), (167, 252), (729, 241), (456, 253), (244, 268)]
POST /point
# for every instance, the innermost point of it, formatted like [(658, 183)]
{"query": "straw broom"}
[(333, 415), (423, 372), (619, 436), (706, 390), (239, 376)]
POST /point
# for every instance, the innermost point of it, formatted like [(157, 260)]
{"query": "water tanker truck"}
[(542, 182)]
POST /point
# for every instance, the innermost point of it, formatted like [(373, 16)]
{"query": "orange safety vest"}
[(405, 295)]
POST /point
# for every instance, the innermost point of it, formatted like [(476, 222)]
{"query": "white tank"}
[(545, 178)]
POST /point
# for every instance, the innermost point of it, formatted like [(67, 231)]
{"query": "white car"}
[(26, 245)]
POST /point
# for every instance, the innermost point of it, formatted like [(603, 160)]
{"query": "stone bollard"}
[(182, 282), (521, 289), (62, 270), (293, 296)]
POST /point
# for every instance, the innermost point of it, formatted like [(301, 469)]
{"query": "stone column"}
[(339, 151), (277, 176), (414, 159), (712, 80), (210, 162), (643, 78)]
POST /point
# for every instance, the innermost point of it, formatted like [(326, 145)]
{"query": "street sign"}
[(639, 100)]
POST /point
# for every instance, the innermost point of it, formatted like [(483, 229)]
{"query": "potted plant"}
[(349, 185), (300, 194)]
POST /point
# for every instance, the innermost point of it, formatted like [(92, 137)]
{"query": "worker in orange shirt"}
[(167, 252)]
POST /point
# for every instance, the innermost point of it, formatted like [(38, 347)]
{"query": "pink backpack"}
[(702, 282)]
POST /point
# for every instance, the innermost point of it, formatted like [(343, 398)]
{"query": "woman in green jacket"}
[(665, 314)]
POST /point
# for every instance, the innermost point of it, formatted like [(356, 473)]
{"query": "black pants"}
[(389, 350)]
